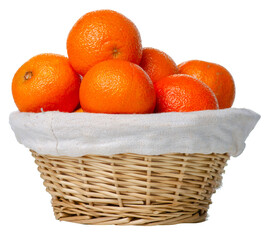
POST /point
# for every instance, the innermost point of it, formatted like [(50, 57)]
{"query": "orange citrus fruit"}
[(157, 64), (103, 35), (79, 110), (46, 82), (117, 86), (215, 76), (183, 93)]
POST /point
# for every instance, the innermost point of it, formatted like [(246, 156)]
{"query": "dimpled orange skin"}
[(215, 76), (183, 93), (157, 64), (46, 82), (116, 86), (101, 35)]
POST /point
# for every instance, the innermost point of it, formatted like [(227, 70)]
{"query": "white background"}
[(234, 34)]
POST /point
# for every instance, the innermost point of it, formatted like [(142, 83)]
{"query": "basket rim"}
[(78, 134)]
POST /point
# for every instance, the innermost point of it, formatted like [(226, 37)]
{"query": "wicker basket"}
[(169, 180), (132, 189)]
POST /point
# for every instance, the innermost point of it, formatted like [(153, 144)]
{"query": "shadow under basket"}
[(132, 189)]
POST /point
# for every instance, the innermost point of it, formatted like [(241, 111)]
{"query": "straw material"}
[(132, 189)]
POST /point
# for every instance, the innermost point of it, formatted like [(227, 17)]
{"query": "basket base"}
[(132, 189), (66, 211)]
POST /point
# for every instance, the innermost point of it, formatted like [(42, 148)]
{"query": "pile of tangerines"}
[(108, 71)]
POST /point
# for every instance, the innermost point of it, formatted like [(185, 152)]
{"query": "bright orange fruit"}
[(103, 35), (157, 64), (215, 76), (79, 110), (46, 82), (183, 93), (116, 86)]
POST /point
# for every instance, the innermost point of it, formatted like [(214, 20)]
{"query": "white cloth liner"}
[(78, 134)]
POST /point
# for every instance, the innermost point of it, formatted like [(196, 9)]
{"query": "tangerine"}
[(117, 86), (46, 82), (101, 35), (183, 93), (215, 76), (157, 64)]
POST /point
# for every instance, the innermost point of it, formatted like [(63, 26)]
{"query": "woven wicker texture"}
[(132, 189)]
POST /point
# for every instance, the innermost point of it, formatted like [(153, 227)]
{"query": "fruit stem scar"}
[(115, 52), (28, 75)]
